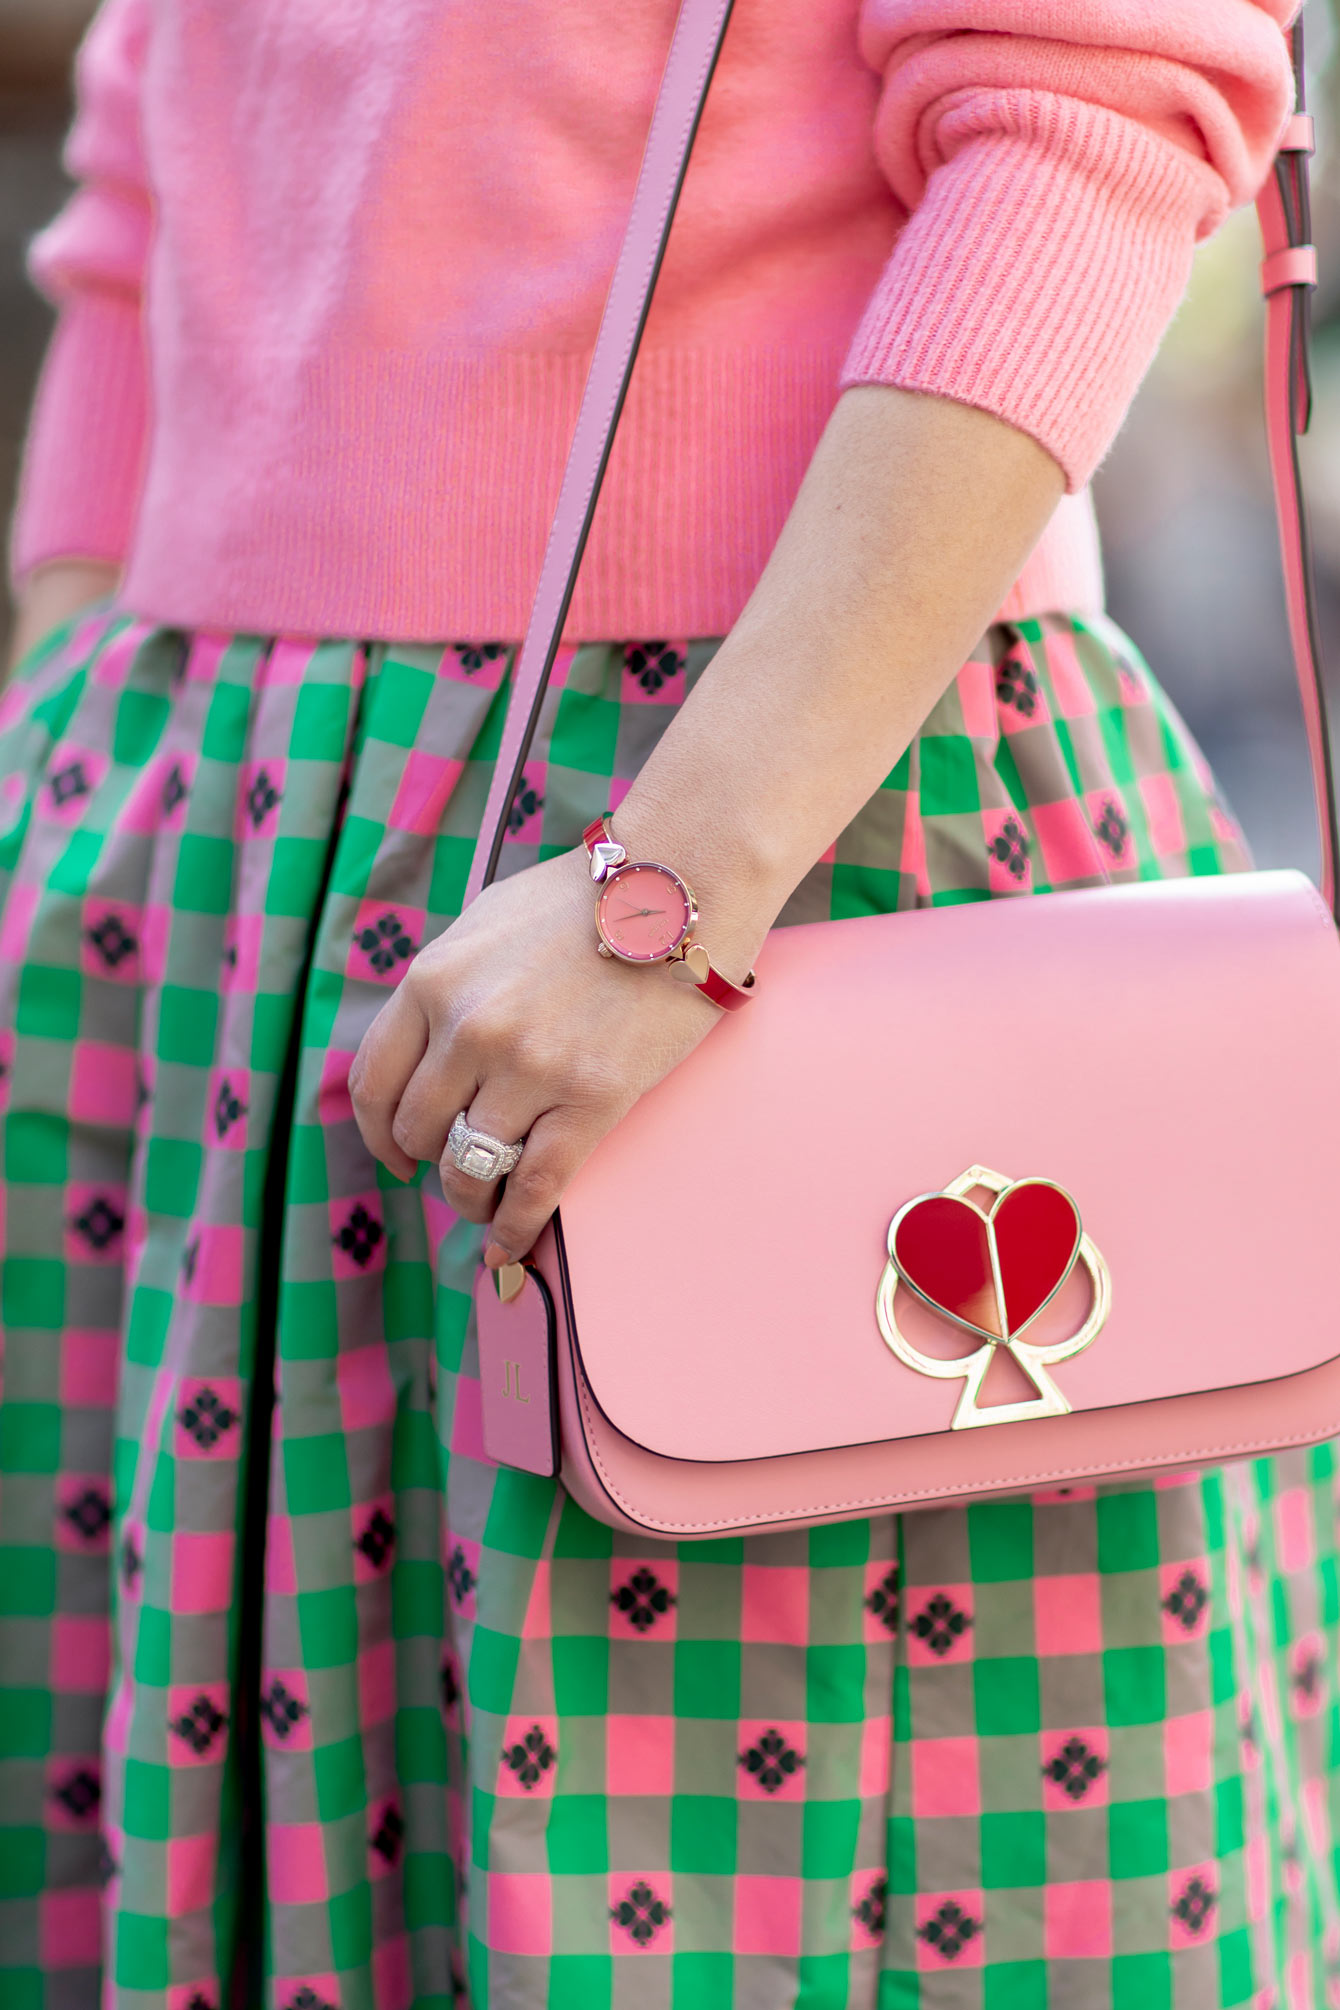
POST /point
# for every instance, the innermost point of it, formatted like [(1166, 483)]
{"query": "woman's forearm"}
[(914, 519)]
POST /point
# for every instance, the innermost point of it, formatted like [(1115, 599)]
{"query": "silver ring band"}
[(478, 1155)]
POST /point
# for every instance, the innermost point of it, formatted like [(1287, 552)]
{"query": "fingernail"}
[(495, 1256)]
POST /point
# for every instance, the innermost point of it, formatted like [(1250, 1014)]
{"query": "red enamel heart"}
[(942, 1246)]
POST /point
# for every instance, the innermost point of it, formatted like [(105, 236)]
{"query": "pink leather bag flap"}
[(726, 1241)]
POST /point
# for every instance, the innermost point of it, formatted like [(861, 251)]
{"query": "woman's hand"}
[(513, 1017), (52, 593), (914, 517)]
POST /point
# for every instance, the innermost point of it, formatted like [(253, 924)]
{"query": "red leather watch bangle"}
[(645, 913)]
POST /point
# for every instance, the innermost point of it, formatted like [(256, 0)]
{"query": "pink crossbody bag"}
[(1113, 1262)]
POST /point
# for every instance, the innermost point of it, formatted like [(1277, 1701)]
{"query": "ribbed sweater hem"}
[(408, 497)]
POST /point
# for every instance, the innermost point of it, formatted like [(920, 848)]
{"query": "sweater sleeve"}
[(1059, 160), (82, 463)]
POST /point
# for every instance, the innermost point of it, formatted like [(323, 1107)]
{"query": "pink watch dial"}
[(643, 912)]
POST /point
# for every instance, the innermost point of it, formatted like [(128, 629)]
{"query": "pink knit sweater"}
[(331, 279)]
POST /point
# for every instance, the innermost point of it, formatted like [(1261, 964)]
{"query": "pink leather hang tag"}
[(516, 1372)]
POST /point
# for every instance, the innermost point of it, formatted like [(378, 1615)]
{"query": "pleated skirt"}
[(305, 1704)]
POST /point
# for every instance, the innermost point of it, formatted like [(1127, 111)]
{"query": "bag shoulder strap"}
[(679, 106), (1288, 275)]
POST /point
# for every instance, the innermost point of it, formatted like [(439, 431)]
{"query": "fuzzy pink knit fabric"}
[(331, 278)]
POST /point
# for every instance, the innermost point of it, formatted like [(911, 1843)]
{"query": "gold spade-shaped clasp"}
[(991, 1271)]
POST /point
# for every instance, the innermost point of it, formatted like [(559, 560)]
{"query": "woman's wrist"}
[(737, 886), (913, 519)]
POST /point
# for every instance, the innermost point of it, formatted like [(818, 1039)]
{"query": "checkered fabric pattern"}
[(319, 1708)]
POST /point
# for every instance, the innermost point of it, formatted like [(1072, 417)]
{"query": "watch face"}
[(644, 912)]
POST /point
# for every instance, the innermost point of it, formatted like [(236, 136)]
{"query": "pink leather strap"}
[(1288, 274), (688, 72)]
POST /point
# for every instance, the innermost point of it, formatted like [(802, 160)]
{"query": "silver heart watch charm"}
[(604, 857)]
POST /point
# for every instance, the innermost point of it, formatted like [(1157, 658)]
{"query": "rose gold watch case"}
[(606, 886)]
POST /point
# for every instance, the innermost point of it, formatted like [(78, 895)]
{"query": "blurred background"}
[(1192, 565)]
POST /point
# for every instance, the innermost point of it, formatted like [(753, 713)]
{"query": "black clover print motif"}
[(1187, 1600), (1017, 685), (449, 1688), (530, 1758), (1010, 847), (359, 1236), (460, 1577), (377, 1539), (871, 1910), (388, 1834), (641, 1913), (101, 1223), (79, 1793), (643, 1600), (1194, 1904), (261, 798), (940, 1624), (199, 1724), (228, 1107), (949, 1929), (1111, 829), (174, 790), (68, 784), (526, 803), (882, 1602), (1307, 1681), (282, 1710), (112, 941), (653, 664), (89, 1514), (1074, 1769), (473, 656), (771, 1762), (385, 943), (206, 1418)]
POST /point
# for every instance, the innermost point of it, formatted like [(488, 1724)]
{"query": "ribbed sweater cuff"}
[(1036, 276), (83, 459)]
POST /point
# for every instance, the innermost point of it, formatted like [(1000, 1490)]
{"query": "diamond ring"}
[(478, 1155)]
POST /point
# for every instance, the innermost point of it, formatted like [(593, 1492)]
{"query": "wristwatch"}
[(646, 913)]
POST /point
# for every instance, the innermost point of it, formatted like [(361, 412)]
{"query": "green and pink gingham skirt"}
[(310, 1707)]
